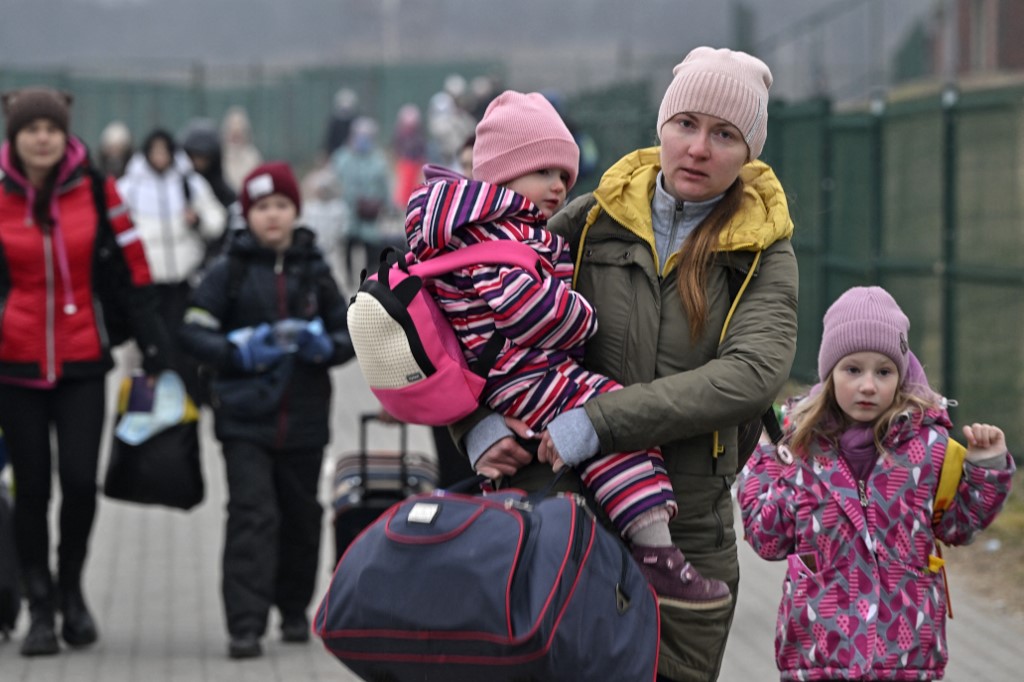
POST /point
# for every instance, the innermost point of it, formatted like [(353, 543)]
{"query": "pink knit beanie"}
[(520, 134), (864, 319), (730, 85)]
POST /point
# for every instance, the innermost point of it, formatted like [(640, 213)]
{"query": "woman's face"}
[(40, 146), (701, 156), (272, 221)]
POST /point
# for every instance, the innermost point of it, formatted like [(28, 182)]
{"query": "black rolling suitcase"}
[(367, 482)]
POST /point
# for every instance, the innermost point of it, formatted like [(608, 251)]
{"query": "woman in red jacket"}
[(58, 237)]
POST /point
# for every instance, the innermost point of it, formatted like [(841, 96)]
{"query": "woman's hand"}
[(548, 453), (506, 456), (984, 441)]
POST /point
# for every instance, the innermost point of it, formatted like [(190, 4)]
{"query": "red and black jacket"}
[(51, 313)]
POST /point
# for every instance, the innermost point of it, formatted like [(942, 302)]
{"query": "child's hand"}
[(548, 453), (984, 441)]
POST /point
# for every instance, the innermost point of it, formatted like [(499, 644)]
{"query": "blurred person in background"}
[(176, 213), (339, 124), (59, 257), (239, 153), (464, 160), (409, 148), (364, 174), (115, 149), (448, 126), (202, 144), (326, 214), (482, 89)]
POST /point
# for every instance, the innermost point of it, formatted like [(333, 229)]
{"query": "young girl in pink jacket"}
[(847, 500)]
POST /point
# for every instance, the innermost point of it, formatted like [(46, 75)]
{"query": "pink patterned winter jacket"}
[(859, 601)]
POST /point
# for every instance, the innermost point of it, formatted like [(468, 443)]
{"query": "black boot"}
[(78, 628), (41, 639)]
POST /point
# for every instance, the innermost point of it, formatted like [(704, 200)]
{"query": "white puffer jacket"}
[(174, 248)]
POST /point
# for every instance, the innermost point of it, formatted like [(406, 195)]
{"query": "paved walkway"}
[(153, 583)]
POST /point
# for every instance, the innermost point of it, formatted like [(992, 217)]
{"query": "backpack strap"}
[(949, 481), (949, 478), (737, 282), (497, 252)]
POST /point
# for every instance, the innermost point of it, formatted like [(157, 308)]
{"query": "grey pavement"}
[(153, 583)]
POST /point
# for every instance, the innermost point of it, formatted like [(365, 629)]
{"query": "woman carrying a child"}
[(655, 245)]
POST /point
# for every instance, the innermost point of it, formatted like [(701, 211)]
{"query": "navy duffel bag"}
[(503, 587)]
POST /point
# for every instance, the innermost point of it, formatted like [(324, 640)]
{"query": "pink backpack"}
[(407, 349)]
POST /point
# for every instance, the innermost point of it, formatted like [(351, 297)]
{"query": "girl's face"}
[(546, 188), (865, 385), (272, 221), (701, 156), (40, 146)]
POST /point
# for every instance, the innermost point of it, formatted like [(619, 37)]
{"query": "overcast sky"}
[(557, 43)]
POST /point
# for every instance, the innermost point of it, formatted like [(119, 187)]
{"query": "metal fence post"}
[(950, 97)]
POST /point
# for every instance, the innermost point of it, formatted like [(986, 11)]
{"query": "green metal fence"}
[(923, 196), (288, 110)]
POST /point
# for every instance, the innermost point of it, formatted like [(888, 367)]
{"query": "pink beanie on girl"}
[(519, 134), (864, 319), (726, 84)]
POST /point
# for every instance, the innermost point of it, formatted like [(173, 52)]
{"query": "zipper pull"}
[(863, 490), (279, 264)]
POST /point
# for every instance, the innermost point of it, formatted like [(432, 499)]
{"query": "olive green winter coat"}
[(684, 396)]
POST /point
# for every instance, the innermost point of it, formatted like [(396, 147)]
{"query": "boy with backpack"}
[(525, 162), (270, 320)]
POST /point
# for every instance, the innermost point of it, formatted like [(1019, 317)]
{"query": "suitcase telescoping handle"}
[(403, 447)]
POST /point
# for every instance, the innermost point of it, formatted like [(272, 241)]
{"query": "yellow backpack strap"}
[(949, 478), (949, 483)]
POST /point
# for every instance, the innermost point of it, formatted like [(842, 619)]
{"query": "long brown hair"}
[(44, 194), (819, 416), (696, 253)]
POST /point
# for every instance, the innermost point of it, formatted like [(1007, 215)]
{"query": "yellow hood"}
[(627, 189)]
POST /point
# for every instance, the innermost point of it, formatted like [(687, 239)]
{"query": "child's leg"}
[(296, 478), (634, 490), (250, 541)]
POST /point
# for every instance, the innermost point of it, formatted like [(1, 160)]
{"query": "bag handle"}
[(364, 419)]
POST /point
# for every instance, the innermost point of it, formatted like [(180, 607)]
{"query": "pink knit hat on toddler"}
[(519, 134), (727, 84), (864, 319)]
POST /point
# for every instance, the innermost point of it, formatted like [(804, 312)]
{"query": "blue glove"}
[(314, 344), (255, 349)]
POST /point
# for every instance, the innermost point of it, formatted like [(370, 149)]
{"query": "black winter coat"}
[(270, 287)]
